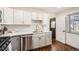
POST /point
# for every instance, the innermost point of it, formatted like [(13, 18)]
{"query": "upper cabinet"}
[(46, 22), (18, 16), (27, 17), (1, 15), (21, 17), (37, 16), (8, 15)]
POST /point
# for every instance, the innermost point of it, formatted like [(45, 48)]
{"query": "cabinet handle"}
[(64, 31)]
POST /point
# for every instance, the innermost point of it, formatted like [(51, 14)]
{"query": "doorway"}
[(53, 28)]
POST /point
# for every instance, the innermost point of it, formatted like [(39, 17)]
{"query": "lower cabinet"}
[(48, 38), (41, 39), (72, 40), (35, 41), (15, 43)]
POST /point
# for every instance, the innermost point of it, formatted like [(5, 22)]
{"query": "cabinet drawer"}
[(48, 38), (35, 42), (42, 41)]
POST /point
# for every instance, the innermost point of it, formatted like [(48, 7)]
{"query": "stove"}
[(4, 42)]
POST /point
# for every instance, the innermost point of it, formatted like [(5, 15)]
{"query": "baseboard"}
[(60, 42)]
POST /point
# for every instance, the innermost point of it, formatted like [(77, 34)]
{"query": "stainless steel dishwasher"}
[(15, 43), (26, 42)]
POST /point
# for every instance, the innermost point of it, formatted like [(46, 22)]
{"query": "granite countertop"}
[(19, 33), (15, 34)]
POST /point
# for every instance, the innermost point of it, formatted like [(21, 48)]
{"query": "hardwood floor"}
[(62, 47), (57, 46)]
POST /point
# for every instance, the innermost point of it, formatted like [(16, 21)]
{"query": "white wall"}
[(72, 39)]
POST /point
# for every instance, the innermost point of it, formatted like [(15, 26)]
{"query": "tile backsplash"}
[(19, 28), (37, 26)]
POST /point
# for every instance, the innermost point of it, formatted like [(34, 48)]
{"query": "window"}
[(74, 23)]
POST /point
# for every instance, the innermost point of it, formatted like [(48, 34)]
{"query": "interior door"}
[(60, 28), (53, 28)]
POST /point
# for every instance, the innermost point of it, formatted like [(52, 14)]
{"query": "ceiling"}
[(47, 9), (53, 9)]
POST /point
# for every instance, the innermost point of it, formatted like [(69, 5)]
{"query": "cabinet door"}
[(35, 42), (42, 41), (34, 16), (46, 22), (27, 18), (48, 38), (8, 15), (72, 40), (1, 15), (39, 16), (18, 16)]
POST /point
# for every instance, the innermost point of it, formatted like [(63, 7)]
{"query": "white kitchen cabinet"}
[(37, 16), (48, 38), (18, 16), (40, 16), (1, 17), (34, 16), (27, 18), (35, 41), (72, 40), (46, 22), (42, 40), (8, 15), (38, 40)]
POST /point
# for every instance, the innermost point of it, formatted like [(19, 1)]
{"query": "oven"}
[(5, 43)]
